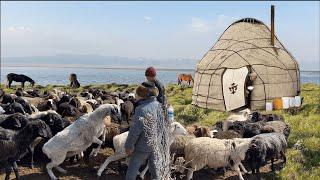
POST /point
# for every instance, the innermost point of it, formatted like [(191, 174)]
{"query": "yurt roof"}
[(246, 42)]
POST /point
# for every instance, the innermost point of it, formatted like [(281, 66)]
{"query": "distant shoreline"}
[(95, 67), (121, 68)]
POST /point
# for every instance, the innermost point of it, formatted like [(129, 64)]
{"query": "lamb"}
[(215, 153), (264, 147), (77, 137), (14, 144), (119, 142)]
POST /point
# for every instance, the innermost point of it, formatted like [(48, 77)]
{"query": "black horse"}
[(19, 78)]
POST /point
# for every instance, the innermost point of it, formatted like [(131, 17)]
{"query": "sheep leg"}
[(98, 141), (190, 174), (110, 159), (243, 168), (15, 169), (8, 172), (54, 163), (283, 156), (272, 164), (237, 169), (143, 173), (49, 167), (31, 149), (61, 170)]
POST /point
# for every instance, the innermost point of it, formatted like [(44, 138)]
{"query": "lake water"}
[(45, 75)]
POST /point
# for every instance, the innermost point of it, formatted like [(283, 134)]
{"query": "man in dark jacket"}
[(151, 77)]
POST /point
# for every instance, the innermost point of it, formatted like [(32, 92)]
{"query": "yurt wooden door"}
[(233, 81)]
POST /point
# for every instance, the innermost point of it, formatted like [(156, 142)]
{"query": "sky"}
[(158, 30)]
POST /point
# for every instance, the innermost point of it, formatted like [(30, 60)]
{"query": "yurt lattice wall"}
[(246, 43)]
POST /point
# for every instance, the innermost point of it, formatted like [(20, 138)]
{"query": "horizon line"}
[(79, 66)]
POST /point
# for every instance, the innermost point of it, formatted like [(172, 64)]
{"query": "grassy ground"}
[(305, 126)]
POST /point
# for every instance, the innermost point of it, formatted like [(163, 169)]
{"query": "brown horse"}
[(185, 77)]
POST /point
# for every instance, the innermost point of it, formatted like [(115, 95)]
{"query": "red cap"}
[(151, 72)]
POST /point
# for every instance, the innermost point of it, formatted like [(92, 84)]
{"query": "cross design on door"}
[(233, 88)]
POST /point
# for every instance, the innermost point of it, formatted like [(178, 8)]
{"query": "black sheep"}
[(127, 110), (75, 102), (256, 116), (34, 93), (26, 106), (63, 99), (65, 109), (14, 121), (14, 108), (55, 122), (7, 99), (47, 105), (266, 147), (14, 144), (229, 134)]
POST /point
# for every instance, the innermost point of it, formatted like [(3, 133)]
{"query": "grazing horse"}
[(74, 83), (19, 78), (185, 77)]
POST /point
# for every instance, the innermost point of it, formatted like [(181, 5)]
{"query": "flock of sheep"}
[(70, 127)]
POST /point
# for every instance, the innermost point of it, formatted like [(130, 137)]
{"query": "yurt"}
[(247, 47)]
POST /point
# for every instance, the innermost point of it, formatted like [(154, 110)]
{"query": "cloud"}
[(19, 29), (199, 25), (219, 23), (148, 19)]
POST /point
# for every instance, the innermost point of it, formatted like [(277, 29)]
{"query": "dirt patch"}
[(80, 170)]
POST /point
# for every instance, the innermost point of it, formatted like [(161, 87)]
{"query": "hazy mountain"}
[(100, 61)]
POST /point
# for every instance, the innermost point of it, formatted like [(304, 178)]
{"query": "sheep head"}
[(106, 109), (177, 129)]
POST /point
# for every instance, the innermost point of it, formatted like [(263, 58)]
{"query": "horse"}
[(185, 77), (74, 83), (19, 78)]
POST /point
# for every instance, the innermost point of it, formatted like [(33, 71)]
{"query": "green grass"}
[(305, 126)]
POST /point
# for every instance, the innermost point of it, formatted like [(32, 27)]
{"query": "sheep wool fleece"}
[(149, 133)]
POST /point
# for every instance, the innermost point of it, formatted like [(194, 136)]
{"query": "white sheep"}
[(120, 140), (241, 116), (215, 153), (76, 138)]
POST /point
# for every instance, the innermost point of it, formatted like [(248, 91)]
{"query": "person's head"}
[(146, 90), (253, 76), (150, 74)]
